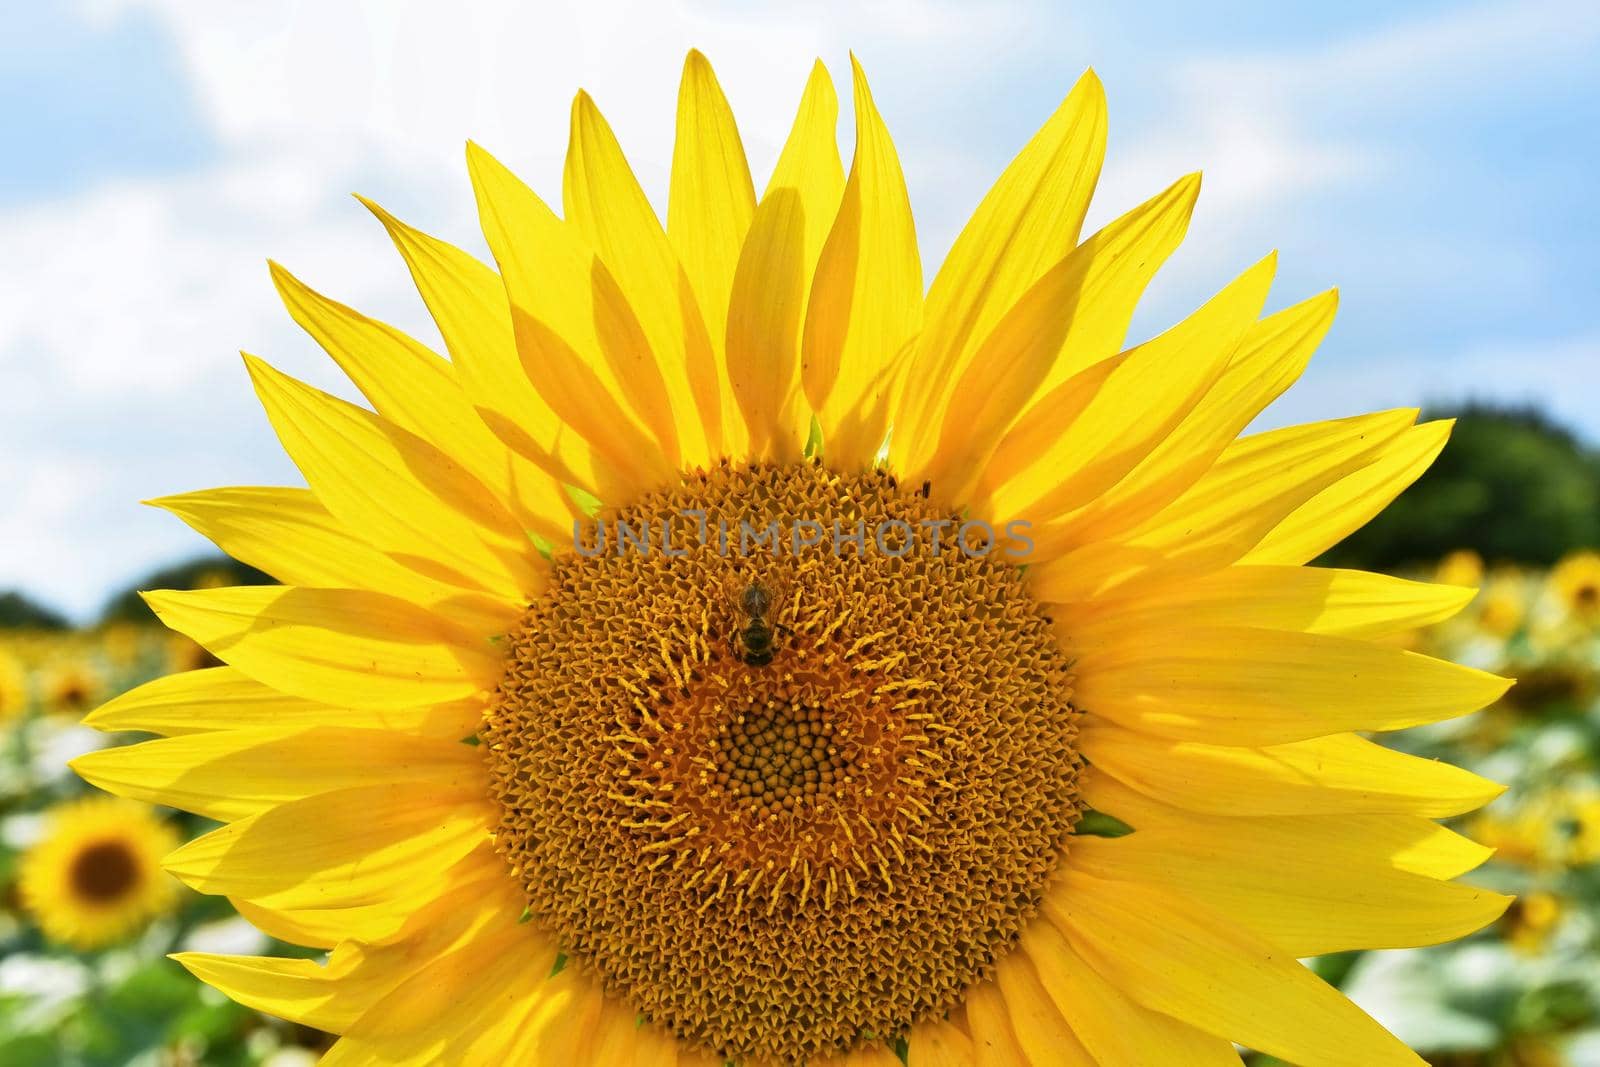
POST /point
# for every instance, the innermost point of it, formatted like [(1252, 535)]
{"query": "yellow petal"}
[(866, 299), (232, 774), (223, 698), (996, 1042), (711, 202), (1313, 599), (1256, 482), (767, 306), (1111, 1026), (1181, 959), (406, 497), (1041, 1030), (1321, 776), (356, 976), (470, 1007), (1269, 359), (398, 919), (414, 389), (603, 199), (1026, 224), (370, 844), (1141, 402), (1348, 504), (1073, 317), (1308, 884), (579, 342), (335, 646), (301, 991), (290, 536), (468, 303), (939, 1043), (1239, 685)]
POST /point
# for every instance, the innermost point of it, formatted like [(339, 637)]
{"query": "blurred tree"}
[(21, 612), (206, 572), (1511, 485)]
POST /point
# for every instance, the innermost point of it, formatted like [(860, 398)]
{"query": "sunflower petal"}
[(1027, 223), (1111, 1026), (767, 307), (712, 199), (416, 390), (223, 698), (468, 303), (939, 1043), (1348, 504), (370, 844), (578, 340), (1256, 482), (1272, 355), (301, 991), (1240, 685), (407, 498), (1073, 317), (287, 534), (998, 1042), (603, 199), (866, 299), (1312, 599), (479, 879), (232, 774), (1309, 885), (1342, 773), (1148, 394), (473, 1006), (1173, 956), (344, 646)]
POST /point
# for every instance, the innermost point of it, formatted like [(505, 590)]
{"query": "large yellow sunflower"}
[(809, 792), (96, 877)]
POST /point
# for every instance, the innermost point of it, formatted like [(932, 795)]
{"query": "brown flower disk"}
[(777, 860)]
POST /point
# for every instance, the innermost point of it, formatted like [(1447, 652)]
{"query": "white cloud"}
[(122, 308)]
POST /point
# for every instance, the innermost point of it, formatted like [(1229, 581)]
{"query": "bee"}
[(755, 637)]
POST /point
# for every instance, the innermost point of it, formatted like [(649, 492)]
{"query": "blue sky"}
[(1435, 161)]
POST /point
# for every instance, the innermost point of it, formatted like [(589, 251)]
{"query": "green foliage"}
[(1510, 484), (19, 612)]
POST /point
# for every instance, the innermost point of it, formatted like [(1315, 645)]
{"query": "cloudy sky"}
[(1436, 161)]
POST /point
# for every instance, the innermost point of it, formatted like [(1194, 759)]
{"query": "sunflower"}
[(1461, 567), (96, 876), (796, 618), (13, 687), (1575, 581), (72, 686), (1503, 602)]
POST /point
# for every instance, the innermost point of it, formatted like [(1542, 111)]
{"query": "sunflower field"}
[(85, 978)]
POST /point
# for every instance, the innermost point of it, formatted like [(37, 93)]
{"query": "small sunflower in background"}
[(13, 687), (788, 807), (95, 878), (1575, 581), (1503, 602), (124, 642), (72, 686), (1461, 567)]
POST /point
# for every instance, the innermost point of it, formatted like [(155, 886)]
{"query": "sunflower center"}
[(104, 872), (781, 762)]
